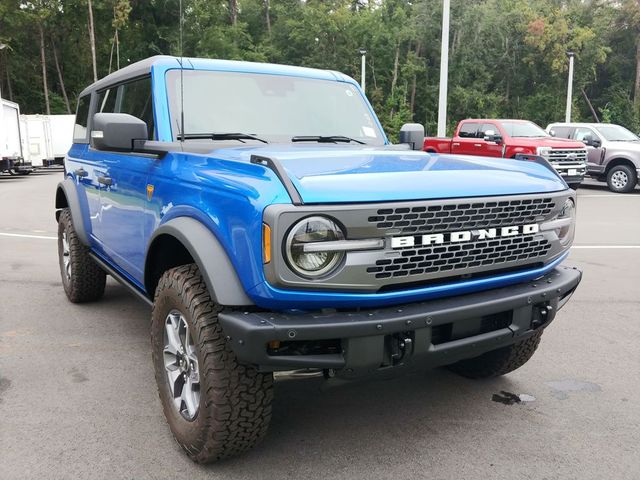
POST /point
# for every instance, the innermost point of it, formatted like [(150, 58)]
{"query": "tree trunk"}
[(9, 87), (267, 16), (636, 91), (92, 42), (412, 98), (233, 11), (394, 79), (43, 62), (60, 79)]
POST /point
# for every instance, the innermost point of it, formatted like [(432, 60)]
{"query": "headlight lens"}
[(313, 264), (543, 151), (565, 234)]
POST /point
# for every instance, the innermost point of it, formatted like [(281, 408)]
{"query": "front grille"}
[(462, 216), (567, 155), (460, 256)]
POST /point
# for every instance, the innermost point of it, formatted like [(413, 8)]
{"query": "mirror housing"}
[(497, 138), (591, 142), (117, 131), (413, 134)]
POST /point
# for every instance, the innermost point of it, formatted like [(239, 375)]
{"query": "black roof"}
[(138, 69)]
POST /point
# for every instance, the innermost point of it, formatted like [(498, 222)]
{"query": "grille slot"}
[(436, 259), (462, 216), (568, 155)]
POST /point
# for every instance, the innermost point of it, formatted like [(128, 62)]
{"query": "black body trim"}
[(68, 188), (282, 175), (115, 274), (532, 305)]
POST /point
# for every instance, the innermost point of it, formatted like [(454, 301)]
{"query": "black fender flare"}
[(67, 196), (208, 253)]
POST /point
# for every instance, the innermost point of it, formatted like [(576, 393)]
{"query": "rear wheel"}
[(622, 179), (215, 407), (498, 362), (83, 280)]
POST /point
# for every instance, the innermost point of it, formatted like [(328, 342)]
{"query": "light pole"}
[(2, 47), (567, 116), (363, 68), (444, 70)]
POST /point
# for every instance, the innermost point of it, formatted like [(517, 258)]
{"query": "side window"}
[(487, 127), (561, 132), (107, 101), (581, 133), (468, 130), (82, 118), (135, 99)]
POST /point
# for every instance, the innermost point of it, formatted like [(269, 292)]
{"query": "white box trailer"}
[(11, 158), (46, 138)]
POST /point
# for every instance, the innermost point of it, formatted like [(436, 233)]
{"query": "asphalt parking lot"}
[(78, 396)]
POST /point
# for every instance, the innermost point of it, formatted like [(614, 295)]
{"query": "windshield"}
[(523, 129), (616, 133), (272, 107)]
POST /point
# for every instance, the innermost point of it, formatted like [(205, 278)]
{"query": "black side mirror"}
[(117, 131), (493, 137), (413, 134), (592, 142)]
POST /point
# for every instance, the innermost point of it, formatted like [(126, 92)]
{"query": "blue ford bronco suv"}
[(263, 213)]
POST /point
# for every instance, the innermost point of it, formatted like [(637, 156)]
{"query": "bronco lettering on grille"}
[(463, 236)]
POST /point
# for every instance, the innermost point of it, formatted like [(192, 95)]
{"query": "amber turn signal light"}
[(266, 243)]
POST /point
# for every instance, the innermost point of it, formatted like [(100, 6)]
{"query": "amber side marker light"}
[(266, 243)]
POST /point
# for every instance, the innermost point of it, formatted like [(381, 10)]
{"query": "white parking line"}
[(22, 235)]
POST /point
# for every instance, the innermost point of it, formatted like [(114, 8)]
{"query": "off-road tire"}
[(498, 362), (235, 400), (87, 280), (631, 176)]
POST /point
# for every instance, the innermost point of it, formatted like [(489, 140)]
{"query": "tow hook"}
[(400, 345)]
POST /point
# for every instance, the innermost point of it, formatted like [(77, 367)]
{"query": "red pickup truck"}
[(507, 138)]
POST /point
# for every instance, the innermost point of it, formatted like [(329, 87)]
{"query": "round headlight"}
[(316, 263), (565, 234)]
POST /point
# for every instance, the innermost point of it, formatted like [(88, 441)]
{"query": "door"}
[(489, 148), (123, 183), (84, 170), (466, 141), (595, 155)]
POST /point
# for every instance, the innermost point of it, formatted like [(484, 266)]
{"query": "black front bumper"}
[(437, 332)]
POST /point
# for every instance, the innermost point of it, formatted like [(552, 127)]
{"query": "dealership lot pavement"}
[(78, 397)]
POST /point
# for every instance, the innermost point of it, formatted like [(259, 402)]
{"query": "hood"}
[(346, 174), (552, 142)]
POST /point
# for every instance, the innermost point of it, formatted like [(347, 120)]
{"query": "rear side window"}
[(561, 132), (82, 118), (468, 130)]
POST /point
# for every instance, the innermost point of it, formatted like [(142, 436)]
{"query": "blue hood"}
[(341, 174)]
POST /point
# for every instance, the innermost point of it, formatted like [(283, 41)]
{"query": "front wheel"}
[(622, 179), (498, 362), (215, 406)]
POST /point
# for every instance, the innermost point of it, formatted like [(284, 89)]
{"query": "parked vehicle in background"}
[(262, 212), (508, 138), (11, 159), (46, 139), (613, 152)]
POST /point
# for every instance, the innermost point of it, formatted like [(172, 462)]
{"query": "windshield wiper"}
[(325, 139), (220, 136)]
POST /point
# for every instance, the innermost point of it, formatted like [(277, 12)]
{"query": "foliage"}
[(507, 57)]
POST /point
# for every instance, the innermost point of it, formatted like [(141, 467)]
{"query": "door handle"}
[(455, 144), (477, 144), (105, 181), (81, 172)]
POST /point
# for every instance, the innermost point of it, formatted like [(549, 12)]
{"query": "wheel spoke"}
[(175, 382), (172, 338), (191, 398)]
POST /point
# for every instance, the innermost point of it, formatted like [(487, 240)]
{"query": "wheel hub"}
[(181, 366), (619, 179)]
